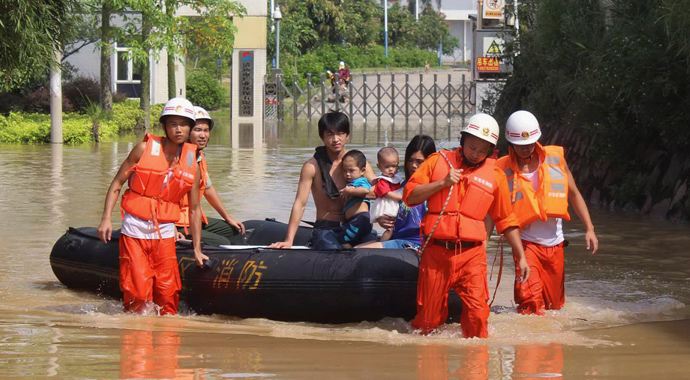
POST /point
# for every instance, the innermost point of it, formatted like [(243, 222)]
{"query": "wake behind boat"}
[(250, 280)]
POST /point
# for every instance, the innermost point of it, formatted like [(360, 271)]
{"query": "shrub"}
[(325, 58), (81, 91), (34, 128), (38, 100), (204, 90)]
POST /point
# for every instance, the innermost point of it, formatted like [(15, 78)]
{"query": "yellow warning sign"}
[(494, 49)]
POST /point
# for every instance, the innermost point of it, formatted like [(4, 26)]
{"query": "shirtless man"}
[(334, 131)]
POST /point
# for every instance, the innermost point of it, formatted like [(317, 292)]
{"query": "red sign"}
[(488, 65)]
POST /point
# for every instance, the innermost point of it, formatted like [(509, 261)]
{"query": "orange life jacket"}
[(550, 200), (150, 196), (463, 217), (184, 203)]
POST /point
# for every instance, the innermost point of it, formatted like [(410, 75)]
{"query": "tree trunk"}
[(106, 52), (145, 96), (172, 85)]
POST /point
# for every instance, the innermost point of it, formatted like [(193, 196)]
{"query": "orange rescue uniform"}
[(184, 203), (544, 289), (148, 267), (456, 254)]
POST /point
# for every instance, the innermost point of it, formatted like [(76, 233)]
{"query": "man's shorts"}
[(356, 230)]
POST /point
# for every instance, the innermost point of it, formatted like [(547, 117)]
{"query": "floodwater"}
[(627, 313)]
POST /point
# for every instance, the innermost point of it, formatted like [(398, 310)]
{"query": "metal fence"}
[(422, 98)]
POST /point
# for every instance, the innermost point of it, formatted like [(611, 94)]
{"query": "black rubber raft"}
[(286, 285)]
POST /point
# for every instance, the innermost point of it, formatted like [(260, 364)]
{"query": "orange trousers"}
[(464, 271), (545, 287), (149, 272)]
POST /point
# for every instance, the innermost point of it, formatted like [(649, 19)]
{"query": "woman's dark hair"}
[(334, 121), (358, 156), (419, 143)]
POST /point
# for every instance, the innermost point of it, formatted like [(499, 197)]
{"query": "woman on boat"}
[(406, 224), (159, 171)]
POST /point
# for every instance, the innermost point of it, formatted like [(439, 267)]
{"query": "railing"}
[(395, 98)]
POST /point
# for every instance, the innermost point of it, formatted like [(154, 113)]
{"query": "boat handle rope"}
[(443, 208)]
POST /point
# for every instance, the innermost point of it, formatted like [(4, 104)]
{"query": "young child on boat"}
[(357, 225), (387, 187)]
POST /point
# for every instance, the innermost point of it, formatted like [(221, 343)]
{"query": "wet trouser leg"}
[(470, 285), (432, 289), (545, 287), (465, 271), (149, 272), (167, 283)]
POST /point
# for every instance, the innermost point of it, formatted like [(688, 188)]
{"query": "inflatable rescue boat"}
[(249, 280)]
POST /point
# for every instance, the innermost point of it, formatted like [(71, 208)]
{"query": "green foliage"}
[(321, 25), (204, 90), (29, 33), (615, 74), (34, 128), (316, 62)]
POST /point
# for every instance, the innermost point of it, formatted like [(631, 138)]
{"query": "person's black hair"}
[(358, 156), (334, 121), (419, 143)]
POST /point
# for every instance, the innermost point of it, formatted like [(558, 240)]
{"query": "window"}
[(127, 73)]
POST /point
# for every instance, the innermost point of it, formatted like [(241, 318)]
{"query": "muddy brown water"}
[(627, 313)]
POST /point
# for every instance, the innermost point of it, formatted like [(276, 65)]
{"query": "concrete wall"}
[(251, 36)]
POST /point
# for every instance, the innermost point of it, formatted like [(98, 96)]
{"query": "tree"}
[(107, 9), (152, 29), (30, 31)]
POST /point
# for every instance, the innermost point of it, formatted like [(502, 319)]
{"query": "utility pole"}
[(56, 98), (385, 28)]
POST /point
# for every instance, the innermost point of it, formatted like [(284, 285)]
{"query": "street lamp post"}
[(385, 28), (277, 16)]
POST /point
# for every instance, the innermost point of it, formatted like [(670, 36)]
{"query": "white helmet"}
[(483, 126), (202, 114), (178, 107), (522, 128)]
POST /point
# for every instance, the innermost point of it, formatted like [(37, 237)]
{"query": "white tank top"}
[(145, 229), (548, 233)]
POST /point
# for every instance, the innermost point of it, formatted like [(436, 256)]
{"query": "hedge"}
[(34, 128), (325, 58)]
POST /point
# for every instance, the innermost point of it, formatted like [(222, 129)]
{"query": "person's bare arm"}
[(214, 200), (306, 177), (195, 220), (355, 191), (105, 228), (512, 235), (394, 195), (369, 173), (580, 207)]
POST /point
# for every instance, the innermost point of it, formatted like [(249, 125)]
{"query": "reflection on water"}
[(637, 281)]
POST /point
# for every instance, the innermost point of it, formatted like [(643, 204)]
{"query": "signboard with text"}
[(488, 65), (490, 61), (493, 9), (246, 88)]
